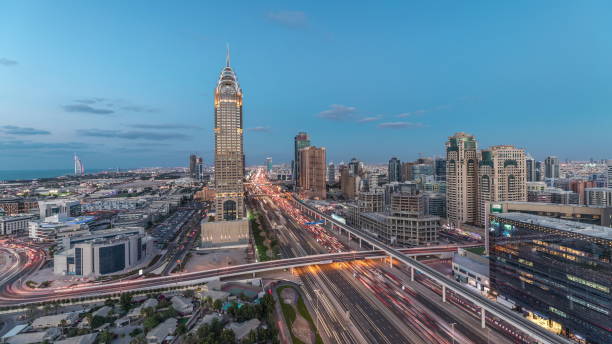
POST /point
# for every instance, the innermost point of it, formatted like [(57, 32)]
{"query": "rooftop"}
[(563, 225), (471, 264)]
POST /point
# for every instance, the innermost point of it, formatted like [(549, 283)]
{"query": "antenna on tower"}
[(227, 57)]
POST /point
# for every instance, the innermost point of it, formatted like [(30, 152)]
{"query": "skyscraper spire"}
[(227, 58)]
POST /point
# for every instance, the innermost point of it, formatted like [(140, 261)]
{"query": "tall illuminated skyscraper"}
[(229, 154)]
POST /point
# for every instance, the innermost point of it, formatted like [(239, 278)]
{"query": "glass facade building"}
[(112, 258), (557, 272)]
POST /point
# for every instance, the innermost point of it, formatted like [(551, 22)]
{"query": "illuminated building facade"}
[(229, 156), (557, 272)]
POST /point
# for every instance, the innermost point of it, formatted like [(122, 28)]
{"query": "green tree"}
[(227, 337), (97, 321), (140, 339), (149, 323), (105, 337), (217, 304), (181, 329), (126, 301)]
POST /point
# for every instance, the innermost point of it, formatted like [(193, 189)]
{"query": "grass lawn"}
[(480, 250), (289, 314)]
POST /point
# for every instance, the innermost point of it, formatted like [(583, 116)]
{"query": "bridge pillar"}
[(390, 261), (359, 242), (443, 293), (483, 317), (412, 274), (349, 236)]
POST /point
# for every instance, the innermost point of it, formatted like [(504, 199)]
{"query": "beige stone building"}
[(462, 179), (502, 176)]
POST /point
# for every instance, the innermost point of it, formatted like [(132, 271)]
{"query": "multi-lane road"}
[(355, 305)]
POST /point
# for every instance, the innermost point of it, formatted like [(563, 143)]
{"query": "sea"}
[(6, 175)]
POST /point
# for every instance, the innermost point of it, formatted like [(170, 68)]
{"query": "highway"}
[(382, 314), (13, 295), (498, 310)]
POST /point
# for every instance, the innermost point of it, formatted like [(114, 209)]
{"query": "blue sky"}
[(130, 83)]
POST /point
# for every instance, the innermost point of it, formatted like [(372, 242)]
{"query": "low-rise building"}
[(89, 338), (594, 215), (599, 196), (182, 304), (103, 253), (47, 336), (243, 329), (158, 334), (14, 225), (471, 269), (55, 320)]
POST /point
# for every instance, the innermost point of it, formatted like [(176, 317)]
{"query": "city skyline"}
[(135, 94)]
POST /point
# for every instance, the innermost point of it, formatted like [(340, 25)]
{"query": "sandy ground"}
[(301, 327), (47, 274), (206, 260)]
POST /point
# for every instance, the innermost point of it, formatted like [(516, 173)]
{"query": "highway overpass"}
[(486, 305), (12, 297)]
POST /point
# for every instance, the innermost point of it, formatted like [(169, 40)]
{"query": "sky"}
[(130, 83)]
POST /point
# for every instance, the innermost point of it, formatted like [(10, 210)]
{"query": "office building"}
[(600, 216), (405, 225), (461, 179), (421, 171), (407, 171), (103, 253), (579, 187), (192, 165), (268, 165), (394, 170), (356, 167), (557, 272), (229, 156), (435, 203), (349, 183), (312, 172), (551, 167), (440, 169), (230, 226), (14, 225), (530, 167), (61, 208), (199, 172), (17, 205), (301, 140), (609, 173), (538, 171), (331, 173), (502, 177), (598, 197)]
